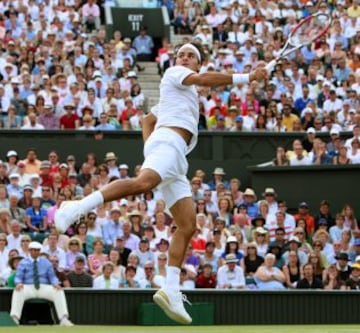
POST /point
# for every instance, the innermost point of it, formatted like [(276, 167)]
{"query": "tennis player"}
[(170, 132)]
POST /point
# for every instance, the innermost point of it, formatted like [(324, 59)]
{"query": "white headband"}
[(193, 48)]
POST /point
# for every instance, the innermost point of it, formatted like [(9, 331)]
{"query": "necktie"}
[(98, 93), (36, 275)]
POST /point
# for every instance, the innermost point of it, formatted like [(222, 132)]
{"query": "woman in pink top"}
[(98, 258)]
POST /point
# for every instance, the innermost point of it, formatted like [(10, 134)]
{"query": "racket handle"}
[(271, 65)]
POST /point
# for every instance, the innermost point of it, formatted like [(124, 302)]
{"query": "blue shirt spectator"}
[(25, 272)]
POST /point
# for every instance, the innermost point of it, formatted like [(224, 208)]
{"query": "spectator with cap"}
[(14, 187), (78, 277), (353, 282), (113, 228), (70, 119), (324, 212), (303, 212), (48, 119), (12, 159), (231, 275), (342, 266), (35, 277), (250, 202)]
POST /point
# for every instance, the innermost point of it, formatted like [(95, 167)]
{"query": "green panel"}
[(150, 315), (6, 320)]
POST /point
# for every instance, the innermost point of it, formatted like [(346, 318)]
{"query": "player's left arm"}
[(148, 125)]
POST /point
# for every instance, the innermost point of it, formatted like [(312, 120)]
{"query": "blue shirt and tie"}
[(45, 271)]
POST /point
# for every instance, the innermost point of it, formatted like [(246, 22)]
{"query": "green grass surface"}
[(186, 329)]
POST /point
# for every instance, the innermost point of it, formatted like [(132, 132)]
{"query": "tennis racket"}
[(304, 33)]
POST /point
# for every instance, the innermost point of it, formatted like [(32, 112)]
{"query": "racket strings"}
[(309, 30)]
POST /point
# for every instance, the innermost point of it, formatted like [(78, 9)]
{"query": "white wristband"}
[(241, 78)]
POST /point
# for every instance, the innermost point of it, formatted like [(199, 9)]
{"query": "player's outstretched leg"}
[(70, 211)]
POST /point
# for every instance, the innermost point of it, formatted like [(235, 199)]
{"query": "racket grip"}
[(271, 65)]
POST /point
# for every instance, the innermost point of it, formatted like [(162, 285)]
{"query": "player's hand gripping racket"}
[(304, 33)]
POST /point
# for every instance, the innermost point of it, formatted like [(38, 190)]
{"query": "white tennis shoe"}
[(172, 303), (66, 215)]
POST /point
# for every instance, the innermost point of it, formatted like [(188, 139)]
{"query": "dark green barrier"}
[(232, 151), (337, 184), (96, 307)]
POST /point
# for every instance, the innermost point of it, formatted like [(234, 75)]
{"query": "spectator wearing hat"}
[(250, 202), (70, 119), (309, 281), (35, 277), (324, 212), (353, 282), (151, 280), (45, 175), (261, 239), (294, 244), (13, 263), (232, 246), (110, 160), (48, 118), (231, 275), (113, 228), (12, 159), (342, 265), (303, 212), (269, 277), (270, 196), (14, 188), (78, 277)]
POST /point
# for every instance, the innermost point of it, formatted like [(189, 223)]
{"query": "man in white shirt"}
[(52, 249), (14, 238), (299, 158), (230, 276), (33, 124), (105, 280)]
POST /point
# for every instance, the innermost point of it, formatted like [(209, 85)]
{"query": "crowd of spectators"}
[(316, 87), (313, 150), (60, 70), (243, 239)]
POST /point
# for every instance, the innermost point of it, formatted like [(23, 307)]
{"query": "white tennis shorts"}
[(164, 153)]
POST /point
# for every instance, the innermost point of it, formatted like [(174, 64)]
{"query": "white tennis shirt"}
[(178, 105)]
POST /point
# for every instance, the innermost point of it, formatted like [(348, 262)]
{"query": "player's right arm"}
[(220, 79)]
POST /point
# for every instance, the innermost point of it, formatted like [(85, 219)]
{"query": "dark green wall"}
[(90, 307), (337, 184), (235, 152)]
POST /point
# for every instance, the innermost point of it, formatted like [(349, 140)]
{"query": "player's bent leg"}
[(169, 298), (71, 211)]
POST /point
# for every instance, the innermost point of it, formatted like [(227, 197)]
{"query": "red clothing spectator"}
[(68, 121), (206, 279)]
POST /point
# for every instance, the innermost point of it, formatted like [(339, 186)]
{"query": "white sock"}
[(172, 278), (91, 201)]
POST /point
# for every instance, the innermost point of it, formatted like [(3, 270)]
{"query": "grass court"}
[(186, 329)]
